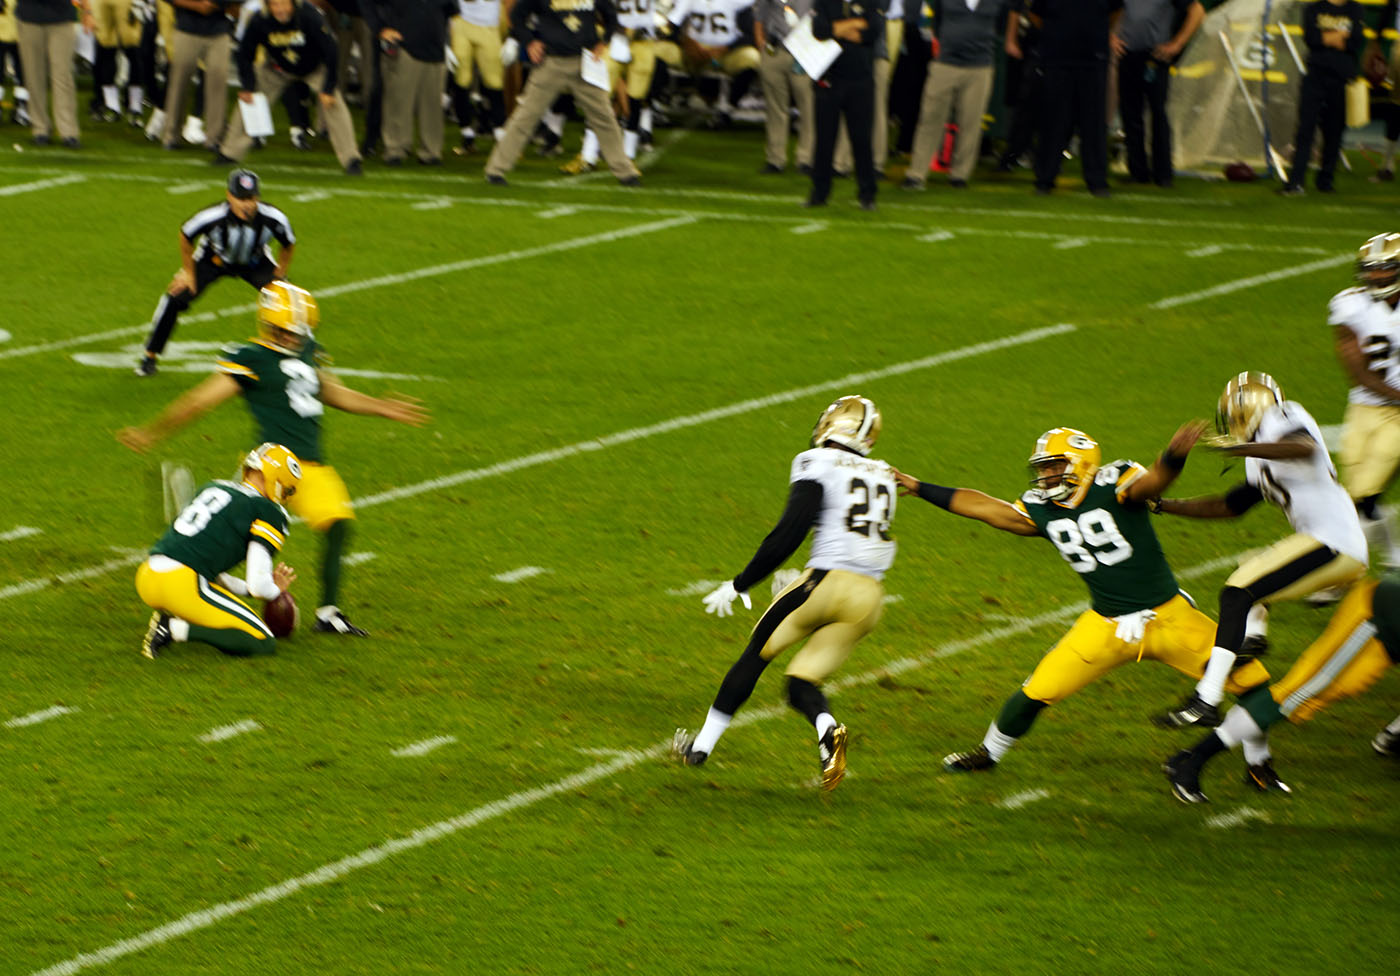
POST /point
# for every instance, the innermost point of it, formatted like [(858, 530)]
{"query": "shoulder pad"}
[(1347, 304)]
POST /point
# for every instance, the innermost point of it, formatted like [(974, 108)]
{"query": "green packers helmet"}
[(1064, 463), (852, 421), (280, 470), (287, 315), (1242, 406), (1378, 266)]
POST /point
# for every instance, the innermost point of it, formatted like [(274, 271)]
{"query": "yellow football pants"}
[(321, 497), (185, 594), (1342, 663)]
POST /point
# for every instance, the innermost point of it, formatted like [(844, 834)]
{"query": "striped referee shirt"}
[(230, 241)]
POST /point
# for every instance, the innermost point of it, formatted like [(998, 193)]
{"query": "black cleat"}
[(1193, 711), (683, 749), (157, 635), (977, 760), (146, 367), (336, 623), (1263, 778), (833, 755), (1387, 743), (1254, 647), (1184, 773)]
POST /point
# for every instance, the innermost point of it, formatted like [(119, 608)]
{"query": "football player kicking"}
[(287, 390), (847, 500), (1361, 642), (1097, 516), (185, 579), (1287, 464)]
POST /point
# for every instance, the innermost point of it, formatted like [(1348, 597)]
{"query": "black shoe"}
[(336, 623), (171, 146), (1184, 773), (683, 749), (72, 143), (1329, 188), (354, 168), (495, 179), (813, 202), (157, 635), (868, 205), (1043, 191), (912, 183), (1289, 190), (630, 181), (833, 757), (837, 174), (42, 140), (1254, 647), (768, 169), (805, 169), (368, 151), (1386, 743), (1166, 184), (1193, 711), (958, 184), (146, 366), (1263, 778), (395, 161), (1383, 176), (550, 147), (301, 140), (430, 161), (977, 760), (221, 160), (1101, 192)]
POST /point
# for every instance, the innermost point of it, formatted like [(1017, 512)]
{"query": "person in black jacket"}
[(1334, 33), (413, 45), (1074, 59), (1148, 40), (847, 89), (1382, 69), (299, 47)]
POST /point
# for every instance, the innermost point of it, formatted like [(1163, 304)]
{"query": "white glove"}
[(1131, 626), (718, 602), (510, 52)]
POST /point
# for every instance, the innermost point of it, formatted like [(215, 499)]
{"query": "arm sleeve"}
[(609, 14), (247, 51), (803, 504), (1312, 36), (330, 54), (1242, 498), (233, 584), (821, 21), (1356, 40), (260, 583)]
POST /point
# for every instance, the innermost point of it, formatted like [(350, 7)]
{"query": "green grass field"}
[(618, 381)]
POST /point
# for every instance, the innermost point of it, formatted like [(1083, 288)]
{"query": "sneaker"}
[(20, 116), (42, 140), (1263, 778), (1386, 743), (155, 125), (193, 131), (334, 622), (833, 754), (157, 635), (683, 749), (811, 202), (301, 139), (1184, 773), (550, 147), (1193, 711), (977, 760), (576, 166), (146, 366)]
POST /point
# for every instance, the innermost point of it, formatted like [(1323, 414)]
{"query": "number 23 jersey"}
[(1110, 542), (283, 391), (858, 499)]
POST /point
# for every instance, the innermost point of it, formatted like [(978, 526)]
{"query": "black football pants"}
[(206, 272)]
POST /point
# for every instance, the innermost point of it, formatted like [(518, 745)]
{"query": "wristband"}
[(1172, 462), (937, 494)]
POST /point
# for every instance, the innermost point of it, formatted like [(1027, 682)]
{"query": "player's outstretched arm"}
[(402, 409), (1168, 464), (969, 503), (189, 407)]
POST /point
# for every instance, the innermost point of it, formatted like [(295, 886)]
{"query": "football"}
[(1239, 172), (281, 615)]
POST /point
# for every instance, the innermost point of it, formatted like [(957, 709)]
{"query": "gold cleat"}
[(576, 166), (157, 635), (833, 753)]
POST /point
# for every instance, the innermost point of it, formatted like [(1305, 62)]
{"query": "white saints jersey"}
[(1377, 329), (483, 13), (1306, 489), (858, 497), (637, 16), (713, 23)]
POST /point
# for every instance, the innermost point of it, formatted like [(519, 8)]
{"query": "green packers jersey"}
[(283, 391), (212, 533), (1108, 541), (1385, 614)]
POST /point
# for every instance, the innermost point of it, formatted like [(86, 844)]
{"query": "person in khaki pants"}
[(203, 35), (554, 41), (413, 41), (47, 40), (783, 85), (299, 47)]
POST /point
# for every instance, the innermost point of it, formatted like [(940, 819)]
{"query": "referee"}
[(234, 239)]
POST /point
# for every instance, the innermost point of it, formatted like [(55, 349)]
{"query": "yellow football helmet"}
[(852, 421), (1378, 266), (1081, 457), (279, 467), (1242, 406), (287, 315)]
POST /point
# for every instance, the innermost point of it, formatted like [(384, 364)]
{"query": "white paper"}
[(620, 49), (595, 71), (257, 117), (813, 55)]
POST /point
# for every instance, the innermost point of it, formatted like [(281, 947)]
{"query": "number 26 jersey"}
[(283, 391), (858, 500)]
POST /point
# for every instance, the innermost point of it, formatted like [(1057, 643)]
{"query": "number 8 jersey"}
[(1110, 542), (283, 391), (852, 531)]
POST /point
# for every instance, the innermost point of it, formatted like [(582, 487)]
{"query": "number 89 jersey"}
[(283, 391), (1108, 541), (858, 499)]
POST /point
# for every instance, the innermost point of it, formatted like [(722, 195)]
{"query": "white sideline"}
[(626, 759), (467, 264), (1242, 283), (18, 188)]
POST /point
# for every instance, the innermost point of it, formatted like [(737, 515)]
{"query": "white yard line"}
[(73, 576), (356, 558), (1017, 800), (16, 189), (1243, 815), (229, 731), (516, 575), (1242, 283), (424, 746), (812, 227), (19, 532), (34, 718), (625, 759)]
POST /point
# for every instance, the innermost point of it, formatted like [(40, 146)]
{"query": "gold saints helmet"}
[(279, 467), (1378, 266), (287, 315), (1081, 457), (852, 421), (1242, 406)]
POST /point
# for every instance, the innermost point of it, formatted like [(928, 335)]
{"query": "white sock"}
[(1388, 161), (554, 122), (1256, 623), (21, 93), (1238, 726), (110, 98), (715, 724), (179, 630), (1378, 538), (590, 147), (1211, 687), (135, 95), (824, 721), (997, 742), (644, 120), (629, 143), (326, 612), (1256, 749), (468, 132), (498, 133)]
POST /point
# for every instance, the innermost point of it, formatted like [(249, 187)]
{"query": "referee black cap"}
[(243, 184)]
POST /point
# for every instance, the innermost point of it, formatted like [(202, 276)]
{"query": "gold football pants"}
[(1342, 663), (183, 593), (321, 497), (830, 609)]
